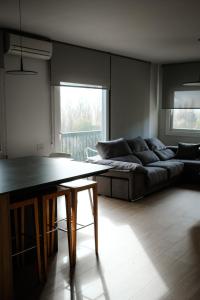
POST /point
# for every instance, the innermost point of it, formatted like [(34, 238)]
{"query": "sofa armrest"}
[(122, 166)]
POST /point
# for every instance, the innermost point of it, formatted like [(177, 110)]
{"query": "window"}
[(82, 119), (187, 119)]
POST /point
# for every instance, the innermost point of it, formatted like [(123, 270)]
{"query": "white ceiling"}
[(155, 30)]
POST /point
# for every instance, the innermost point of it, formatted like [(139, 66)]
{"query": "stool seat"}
[(79, 184)]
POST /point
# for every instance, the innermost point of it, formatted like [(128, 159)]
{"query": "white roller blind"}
[(79, 65)]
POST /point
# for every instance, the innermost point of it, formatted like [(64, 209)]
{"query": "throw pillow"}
[(114, 148), (160, 149), (147, 157), (165, 154), (138, 144), (155, 143), (187, 151)]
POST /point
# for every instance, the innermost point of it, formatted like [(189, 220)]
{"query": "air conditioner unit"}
[(29, 47)]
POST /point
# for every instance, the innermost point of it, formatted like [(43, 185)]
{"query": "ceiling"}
[(154, 30)]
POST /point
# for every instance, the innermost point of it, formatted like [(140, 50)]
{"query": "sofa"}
[(142, 166)]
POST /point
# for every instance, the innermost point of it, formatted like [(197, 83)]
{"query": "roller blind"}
[(174, 75), (79, 65)]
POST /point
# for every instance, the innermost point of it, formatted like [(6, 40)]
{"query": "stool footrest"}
[(81, 227), (23, 251)]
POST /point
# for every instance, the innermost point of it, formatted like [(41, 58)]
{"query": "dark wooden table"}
[(22, 175)]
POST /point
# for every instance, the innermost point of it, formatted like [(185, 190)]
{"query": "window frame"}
[(56, 116), (178, 132)]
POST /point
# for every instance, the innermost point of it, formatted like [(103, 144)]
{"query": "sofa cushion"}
[(128, 158), (122, 166), (155, 143), (191, 166), (160, 149), (138, 144), (147, 156), (156, 176), (174, 167), (165, 154), (114, 148), (187, 151)]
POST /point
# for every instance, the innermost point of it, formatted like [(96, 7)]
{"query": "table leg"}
[(6, 279), (74, 221)]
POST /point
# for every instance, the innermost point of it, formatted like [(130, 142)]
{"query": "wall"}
[(130, 98), (171, 77), (133, 104), (27, 109)]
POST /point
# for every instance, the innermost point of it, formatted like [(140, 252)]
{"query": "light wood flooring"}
[(148, 250)]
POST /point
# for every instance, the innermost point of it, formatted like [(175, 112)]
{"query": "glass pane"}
[(82, 119), (186, 119)]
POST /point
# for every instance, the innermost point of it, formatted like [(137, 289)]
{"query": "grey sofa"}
[(142, 166)]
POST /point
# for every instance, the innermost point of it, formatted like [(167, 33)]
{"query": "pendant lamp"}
[(21, 70)]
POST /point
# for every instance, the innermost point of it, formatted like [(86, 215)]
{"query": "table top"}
[(32, 172)]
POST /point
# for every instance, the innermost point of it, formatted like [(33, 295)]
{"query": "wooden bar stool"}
[(49, 203), (20, 206), (75, 187)]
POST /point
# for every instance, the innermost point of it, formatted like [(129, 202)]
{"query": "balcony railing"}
[(75, 143)]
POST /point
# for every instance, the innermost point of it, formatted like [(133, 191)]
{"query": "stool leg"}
[(69, 228), (22, 232), (44, 208), (74, 221), (53, 219), (91, 202), (48, 226), (95, 201), (37, 230), (16, 232)]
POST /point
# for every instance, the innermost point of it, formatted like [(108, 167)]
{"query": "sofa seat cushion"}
[(128, 158), (156, 176), (160, 149), (114, 148), (174, 167), (147, 157)]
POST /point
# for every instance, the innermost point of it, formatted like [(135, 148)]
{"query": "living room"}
[(141, 55)]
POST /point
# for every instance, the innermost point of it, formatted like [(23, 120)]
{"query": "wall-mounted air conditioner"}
[(29, 47)]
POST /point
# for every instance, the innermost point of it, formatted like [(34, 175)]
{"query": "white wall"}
[(27, 109)]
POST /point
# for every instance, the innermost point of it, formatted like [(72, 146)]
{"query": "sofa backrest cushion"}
[(128, 158), (165, 154), (187, 151), (140, 148), (137, 144), (155, 144), (114, 148), (147, 157), (160, 149)]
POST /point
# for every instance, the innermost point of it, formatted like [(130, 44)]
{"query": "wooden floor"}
[(148, 250)]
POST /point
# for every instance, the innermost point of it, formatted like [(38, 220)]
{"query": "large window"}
[(185, 119), (82, 118)]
